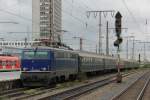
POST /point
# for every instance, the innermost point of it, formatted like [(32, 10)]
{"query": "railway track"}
[(12, 94), (145, 94), (26, 93), (139, 90), (71, 94)]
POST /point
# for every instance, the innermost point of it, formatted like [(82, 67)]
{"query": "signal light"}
[(118, 41), (118, 25), (118, 29)]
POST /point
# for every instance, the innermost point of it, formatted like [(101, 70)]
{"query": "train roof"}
[(129, 60), (9, 57), (50, 48), (90, 54), (81, 53)]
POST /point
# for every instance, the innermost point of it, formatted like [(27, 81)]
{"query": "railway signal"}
[(118, 29), (118, 25), (118, 41)]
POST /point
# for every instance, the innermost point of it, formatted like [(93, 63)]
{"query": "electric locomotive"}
[(44, 66)]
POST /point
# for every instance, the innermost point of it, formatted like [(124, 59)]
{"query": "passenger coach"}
[(9, 63)]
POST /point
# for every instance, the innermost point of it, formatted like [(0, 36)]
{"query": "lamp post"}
[(81, 42), (133, 49), (127, 45), (144, 43)]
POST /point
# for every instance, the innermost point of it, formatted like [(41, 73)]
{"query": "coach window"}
[(93, 60), (73, 56), (64, 55), (13, 63), (69, 55), (0, 63), (56, 55), (86, 60), (83, 59), (7, 63), (3, 63), (59, 54)]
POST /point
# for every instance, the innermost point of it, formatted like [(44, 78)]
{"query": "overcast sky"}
[(75, 21)]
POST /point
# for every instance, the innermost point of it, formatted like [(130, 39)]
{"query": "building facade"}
[(21, 44), (46, 20)]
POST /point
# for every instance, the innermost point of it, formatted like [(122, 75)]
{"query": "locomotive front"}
[(36, 67)]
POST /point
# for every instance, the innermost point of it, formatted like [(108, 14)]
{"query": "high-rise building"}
[(46, 20)]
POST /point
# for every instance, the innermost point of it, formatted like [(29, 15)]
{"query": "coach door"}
[(8, 65), (1, 67)]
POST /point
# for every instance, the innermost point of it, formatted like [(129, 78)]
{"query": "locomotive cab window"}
[(35, 54)]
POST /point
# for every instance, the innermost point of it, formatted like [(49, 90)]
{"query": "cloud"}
[(15, 11), (74, 19)]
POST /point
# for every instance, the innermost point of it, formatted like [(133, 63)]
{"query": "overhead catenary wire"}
[(132, 15), (30, 20), (82, 21)]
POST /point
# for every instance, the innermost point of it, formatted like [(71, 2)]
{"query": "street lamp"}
[(144, 49), (133, 49), (127, 44), (101, 38), (81, 42)]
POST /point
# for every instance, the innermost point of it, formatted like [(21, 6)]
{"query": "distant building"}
[(46, 20), (20, 44)]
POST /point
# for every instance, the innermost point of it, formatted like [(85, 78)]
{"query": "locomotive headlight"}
[(44, 69), (24, 69)]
